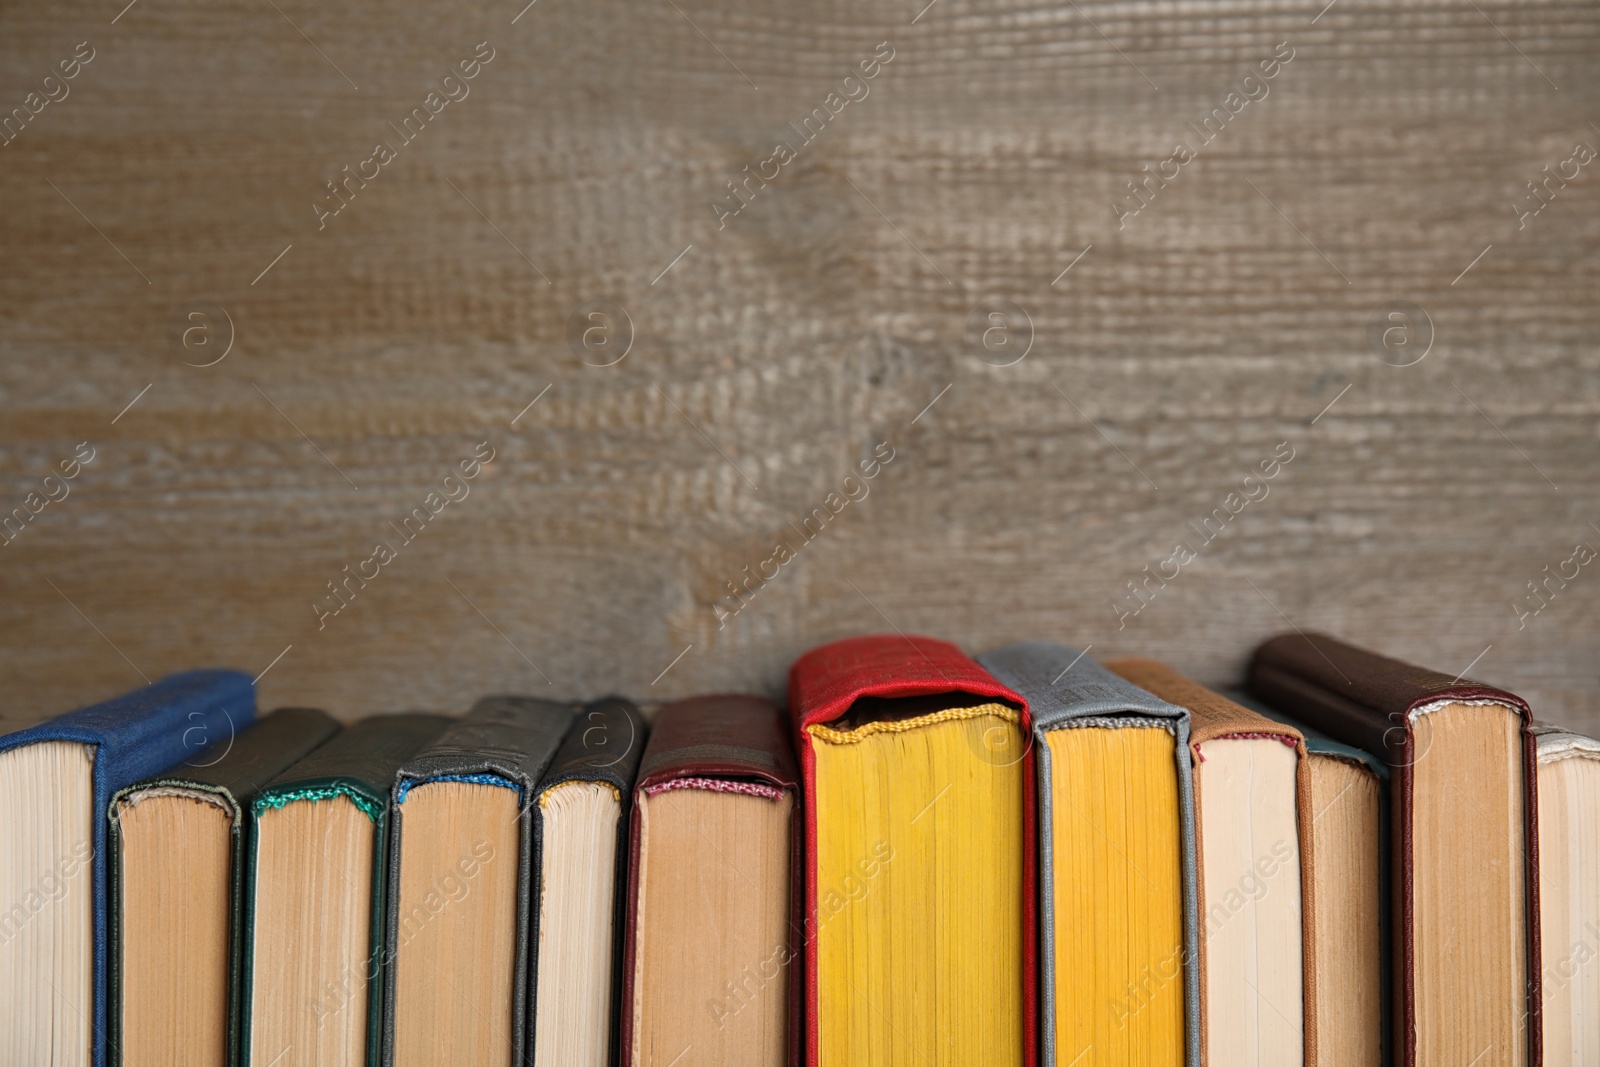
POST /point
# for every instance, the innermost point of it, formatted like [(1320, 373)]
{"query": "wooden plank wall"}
[(174, 195)]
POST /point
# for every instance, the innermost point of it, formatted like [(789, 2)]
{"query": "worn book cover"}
[(1118, 905), (177, 855), (312, 964), (1464, 842), (920, 858), (56, 783), (1253, 837), (460, 855), (581, 814), (712, 935)]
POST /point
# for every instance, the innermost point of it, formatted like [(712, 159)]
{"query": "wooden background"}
[(779, 349)]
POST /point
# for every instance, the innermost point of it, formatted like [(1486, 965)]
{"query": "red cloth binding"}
[(823, 684)]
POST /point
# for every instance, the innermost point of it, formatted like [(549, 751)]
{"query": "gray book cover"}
[(1066, 689)]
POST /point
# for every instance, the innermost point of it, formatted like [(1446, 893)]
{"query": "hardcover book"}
[(920, 856), (177, 851), (580, 865), (312, 968), (1253, 819), (1348, 880), (56, 783), (1569, 897), (1464, 870), (712, 927), (1118, 910), (460, 854)]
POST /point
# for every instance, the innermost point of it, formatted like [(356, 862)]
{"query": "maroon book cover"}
[(1371, 702), (725, 743)]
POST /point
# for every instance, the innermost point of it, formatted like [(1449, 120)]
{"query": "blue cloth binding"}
[(134, 736)]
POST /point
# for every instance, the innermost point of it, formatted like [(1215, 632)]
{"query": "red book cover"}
[(823, 684)]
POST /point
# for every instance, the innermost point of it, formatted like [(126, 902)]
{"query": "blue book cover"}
[(133, 737)]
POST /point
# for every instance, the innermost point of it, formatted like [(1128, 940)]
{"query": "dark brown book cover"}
[(726, 738), (1369, 701)]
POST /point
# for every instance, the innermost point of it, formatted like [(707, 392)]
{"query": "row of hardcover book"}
[(928, 859)]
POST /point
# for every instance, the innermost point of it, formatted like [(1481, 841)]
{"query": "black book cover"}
[(605, 745), (360, 764), (507, 738), (231, 771)]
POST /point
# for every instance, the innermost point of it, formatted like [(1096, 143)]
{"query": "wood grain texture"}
[(823, 319)]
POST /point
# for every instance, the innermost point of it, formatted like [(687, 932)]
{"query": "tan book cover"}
[(1253, 808)]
